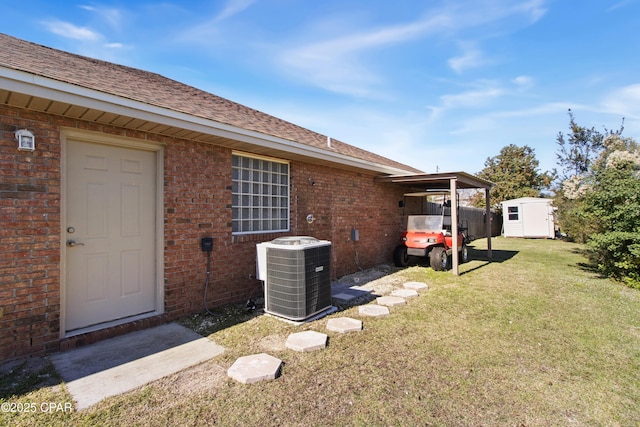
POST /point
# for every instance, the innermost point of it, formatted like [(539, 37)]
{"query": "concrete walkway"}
[(118, 365)]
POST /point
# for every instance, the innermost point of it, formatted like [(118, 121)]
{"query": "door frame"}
[(67, 134)]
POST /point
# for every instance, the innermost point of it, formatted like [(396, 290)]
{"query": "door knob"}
[(72, 243)]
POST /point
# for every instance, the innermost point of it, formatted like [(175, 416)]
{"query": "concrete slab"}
[(347, 288), (121, 364), (416, 286), (404, 293), (344, 325), (344, 297), (313, 318), (254, 368), (390, 301), (306, 341), (373, 310)]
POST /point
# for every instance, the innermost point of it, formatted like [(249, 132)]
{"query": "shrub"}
[(617, 254), (612, 208)]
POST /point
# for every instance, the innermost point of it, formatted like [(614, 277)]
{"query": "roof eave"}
[(55, 90)]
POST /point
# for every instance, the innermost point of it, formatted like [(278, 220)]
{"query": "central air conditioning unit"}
[(297, 275)]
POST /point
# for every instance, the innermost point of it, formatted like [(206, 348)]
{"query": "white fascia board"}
[(55, 90)]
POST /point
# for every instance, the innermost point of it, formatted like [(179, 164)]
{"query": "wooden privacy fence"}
[(473, 219)]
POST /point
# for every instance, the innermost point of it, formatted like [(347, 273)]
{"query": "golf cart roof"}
[(428, 193)]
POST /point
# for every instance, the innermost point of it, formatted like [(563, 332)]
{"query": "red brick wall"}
[(197, 203), (341, 201), (29, 236)]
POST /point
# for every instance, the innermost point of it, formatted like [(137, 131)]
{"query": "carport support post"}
[(453, 186), (488, 221)]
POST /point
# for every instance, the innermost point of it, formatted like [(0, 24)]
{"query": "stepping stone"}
[(306, 341), (390, 301), (373, 310), (344, 324), (254, 368), (404, 293), (416, 286)]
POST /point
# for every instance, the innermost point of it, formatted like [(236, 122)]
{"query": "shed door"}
[(110, 215), (536, 220)]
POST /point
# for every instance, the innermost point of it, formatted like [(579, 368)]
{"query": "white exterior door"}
[(109, 233), (537, 220)]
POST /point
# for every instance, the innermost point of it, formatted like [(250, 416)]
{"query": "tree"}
[(576, 153), (515, 172), (580, 147)]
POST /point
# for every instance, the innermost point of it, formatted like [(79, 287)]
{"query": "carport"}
[(451, 182)]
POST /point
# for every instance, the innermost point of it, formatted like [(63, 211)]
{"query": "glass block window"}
[(513, 213), (260, 195)]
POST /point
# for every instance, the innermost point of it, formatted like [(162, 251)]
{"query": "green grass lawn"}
[(533, 338)]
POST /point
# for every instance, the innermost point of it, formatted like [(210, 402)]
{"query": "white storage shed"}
[(530, 217)]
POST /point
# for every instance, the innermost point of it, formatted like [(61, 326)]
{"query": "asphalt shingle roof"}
[(159, 91)]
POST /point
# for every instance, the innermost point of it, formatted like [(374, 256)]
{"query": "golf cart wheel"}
[(400, 256), (438, 259), (464, 254)]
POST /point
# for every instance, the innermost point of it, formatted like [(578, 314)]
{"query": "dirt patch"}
[(205, 376), (272, 343), (384, 285), (19, 377), (372, 283), (363, 277), (379, 279)]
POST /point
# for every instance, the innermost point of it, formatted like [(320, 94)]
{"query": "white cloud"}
[(386, 36), (534, 9), (490, 120), (339, 65), (480, 97), (336, 64), (473, 98), (233, 7), (619, 5), (501, 13), (474, 125), (471, 58), (68, 30), (210, 30), (550, 108), (624, 101), (87, 41), (112, 16), (523, 81)]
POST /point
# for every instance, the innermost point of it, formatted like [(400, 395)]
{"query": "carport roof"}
[(437, 181), (451, 182)]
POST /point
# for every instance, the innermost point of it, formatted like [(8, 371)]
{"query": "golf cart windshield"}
[(425, 223)]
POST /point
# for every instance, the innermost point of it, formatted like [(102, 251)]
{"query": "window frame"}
[(513, 213), (254, 203)]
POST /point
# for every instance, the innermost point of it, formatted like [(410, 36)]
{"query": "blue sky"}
[(439, 85)]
